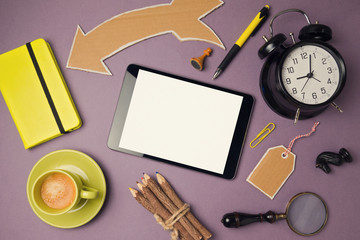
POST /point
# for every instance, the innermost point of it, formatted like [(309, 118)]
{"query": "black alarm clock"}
[(301, 80)]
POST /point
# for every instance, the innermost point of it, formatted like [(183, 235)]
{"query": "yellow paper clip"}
[(266, 131)]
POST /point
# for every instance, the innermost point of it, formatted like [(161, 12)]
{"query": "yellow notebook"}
[(36, 94)]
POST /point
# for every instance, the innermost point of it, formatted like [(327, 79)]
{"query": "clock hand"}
[(305, 84), (309, 75), (316, 79), (302, 77)]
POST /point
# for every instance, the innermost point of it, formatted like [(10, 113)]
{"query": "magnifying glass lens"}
[(307, 214)]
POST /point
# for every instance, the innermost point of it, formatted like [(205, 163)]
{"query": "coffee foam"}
[(58, 191)]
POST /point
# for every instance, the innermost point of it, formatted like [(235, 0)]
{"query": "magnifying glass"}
[(306, 214)]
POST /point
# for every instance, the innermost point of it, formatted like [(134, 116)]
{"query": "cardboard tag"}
[(272, 171)]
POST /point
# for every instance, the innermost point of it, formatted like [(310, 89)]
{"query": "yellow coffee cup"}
[(58, 191)]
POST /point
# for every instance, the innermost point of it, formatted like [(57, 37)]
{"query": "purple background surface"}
[(210, 197)]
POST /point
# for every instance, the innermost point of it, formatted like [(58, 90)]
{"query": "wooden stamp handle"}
[(235, 220), (197, 63)]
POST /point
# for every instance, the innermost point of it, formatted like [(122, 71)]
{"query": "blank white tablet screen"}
[(180, 121)]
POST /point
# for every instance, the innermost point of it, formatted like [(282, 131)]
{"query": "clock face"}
[(310, 74)]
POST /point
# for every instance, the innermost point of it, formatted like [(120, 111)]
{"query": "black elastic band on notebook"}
[(45, 88)]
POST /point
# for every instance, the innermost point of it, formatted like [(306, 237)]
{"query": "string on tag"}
[(288, 150)]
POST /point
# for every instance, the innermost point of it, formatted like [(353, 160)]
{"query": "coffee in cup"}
[(58, 191)]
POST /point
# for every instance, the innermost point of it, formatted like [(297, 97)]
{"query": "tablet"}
[(180, 121)]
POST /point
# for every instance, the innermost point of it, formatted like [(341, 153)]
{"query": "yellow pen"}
[(255, 24)]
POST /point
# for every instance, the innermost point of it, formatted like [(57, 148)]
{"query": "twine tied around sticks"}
[(169, 224)]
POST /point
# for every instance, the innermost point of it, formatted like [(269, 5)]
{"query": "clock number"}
[(314, 96), (303, 94), (288, 81), (329, 70), (323, 61), (294, 90), (323, 90), (314, 55), (295, 61), (329, 81), (290, 70), (303, 55)]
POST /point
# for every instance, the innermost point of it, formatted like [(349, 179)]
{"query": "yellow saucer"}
[(89, 172)]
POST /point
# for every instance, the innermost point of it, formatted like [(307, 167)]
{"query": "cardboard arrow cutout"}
[(180, 17)]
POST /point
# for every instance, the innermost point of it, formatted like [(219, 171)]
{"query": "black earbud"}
[(336, 159)]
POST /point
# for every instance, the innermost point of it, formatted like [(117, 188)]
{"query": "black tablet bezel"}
[(239, 135)]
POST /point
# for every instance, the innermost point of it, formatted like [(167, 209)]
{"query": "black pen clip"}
[(264, 12)]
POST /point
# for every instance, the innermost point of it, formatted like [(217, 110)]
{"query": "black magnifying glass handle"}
[(236, 219)]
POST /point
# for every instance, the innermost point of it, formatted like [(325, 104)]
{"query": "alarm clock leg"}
[(297, 115), (336, 106)]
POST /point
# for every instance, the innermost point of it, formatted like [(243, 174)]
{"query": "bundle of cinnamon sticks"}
[(169, 210)]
